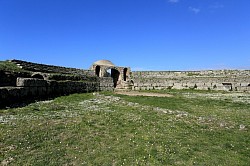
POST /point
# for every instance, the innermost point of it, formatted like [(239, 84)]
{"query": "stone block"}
[(41, 91), (3, 94), (30, 82), (52, 83)]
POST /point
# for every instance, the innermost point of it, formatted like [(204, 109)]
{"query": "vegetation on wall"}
[(9, 66)]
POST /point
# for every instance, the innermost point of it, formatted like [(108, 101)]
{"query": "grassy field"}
[(189, 128)]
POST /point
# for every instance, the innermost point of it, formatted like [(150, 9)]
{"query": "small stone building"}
[(121, 75)]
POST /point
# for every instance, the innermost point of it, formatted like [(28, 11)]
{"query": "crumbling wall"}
[(38, 81), (106, 84), (229, 80), (51, 81), (8, 78), (35, 67), (121, 75), (33, 88)]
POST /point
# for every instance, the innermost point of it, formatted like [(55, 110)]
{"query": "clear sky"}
[(142, 34)]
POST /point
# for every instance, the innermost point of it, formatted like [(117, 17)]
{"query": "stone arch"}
[(97, 70), (120, 75), (125, 74), (38, 75)]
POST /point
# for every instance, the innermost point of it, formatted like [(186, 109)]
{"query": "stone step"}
[(122, 90)]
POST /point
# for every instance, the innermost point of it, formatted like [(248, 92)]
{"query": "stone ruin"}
[(39, 81), (121, 76), (225, 80)]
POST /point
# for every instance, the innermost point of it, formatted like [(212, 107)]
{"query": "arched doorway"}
[(125, 74), (115, 75), (97, 70), (39, 76)]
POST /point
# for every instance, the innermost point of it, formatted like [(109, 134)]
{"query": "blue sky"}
[(142, 34)]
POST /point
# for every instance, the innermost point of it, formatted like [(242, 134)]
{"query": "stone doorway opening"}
[(97, 70), (38, 76), (115, 75), (125, 74)]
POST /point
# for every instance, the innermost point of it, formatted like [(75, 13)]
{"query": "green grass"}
[(9, 66), (109, 129)]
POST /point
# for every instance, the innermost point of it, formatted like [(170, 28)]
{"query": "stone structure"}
[(30, 89), (39, 81), (229, 80), (42, 68), (120, 75)]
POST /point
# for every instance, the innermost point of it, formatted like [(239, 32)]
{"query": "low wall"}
[(204, 80), (39, 81), (106, 84), (8, 78), (32, 89)]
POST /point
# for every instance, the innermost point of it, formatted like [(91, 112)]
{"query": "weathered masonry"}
[(106, 70), (38, 81), (228, 80)]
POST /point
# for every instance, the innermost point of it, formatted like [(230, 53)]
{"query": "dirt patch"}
[(136, 93)]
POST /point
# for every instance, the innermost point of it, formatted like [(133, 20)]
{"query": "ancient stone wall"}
[(33, 88), (35, 67), (106, 84), (231, 80), (38, 81), (8, 78)]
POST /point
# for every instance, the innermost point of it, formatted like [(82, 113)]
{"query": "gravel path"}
[(136, 93)]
